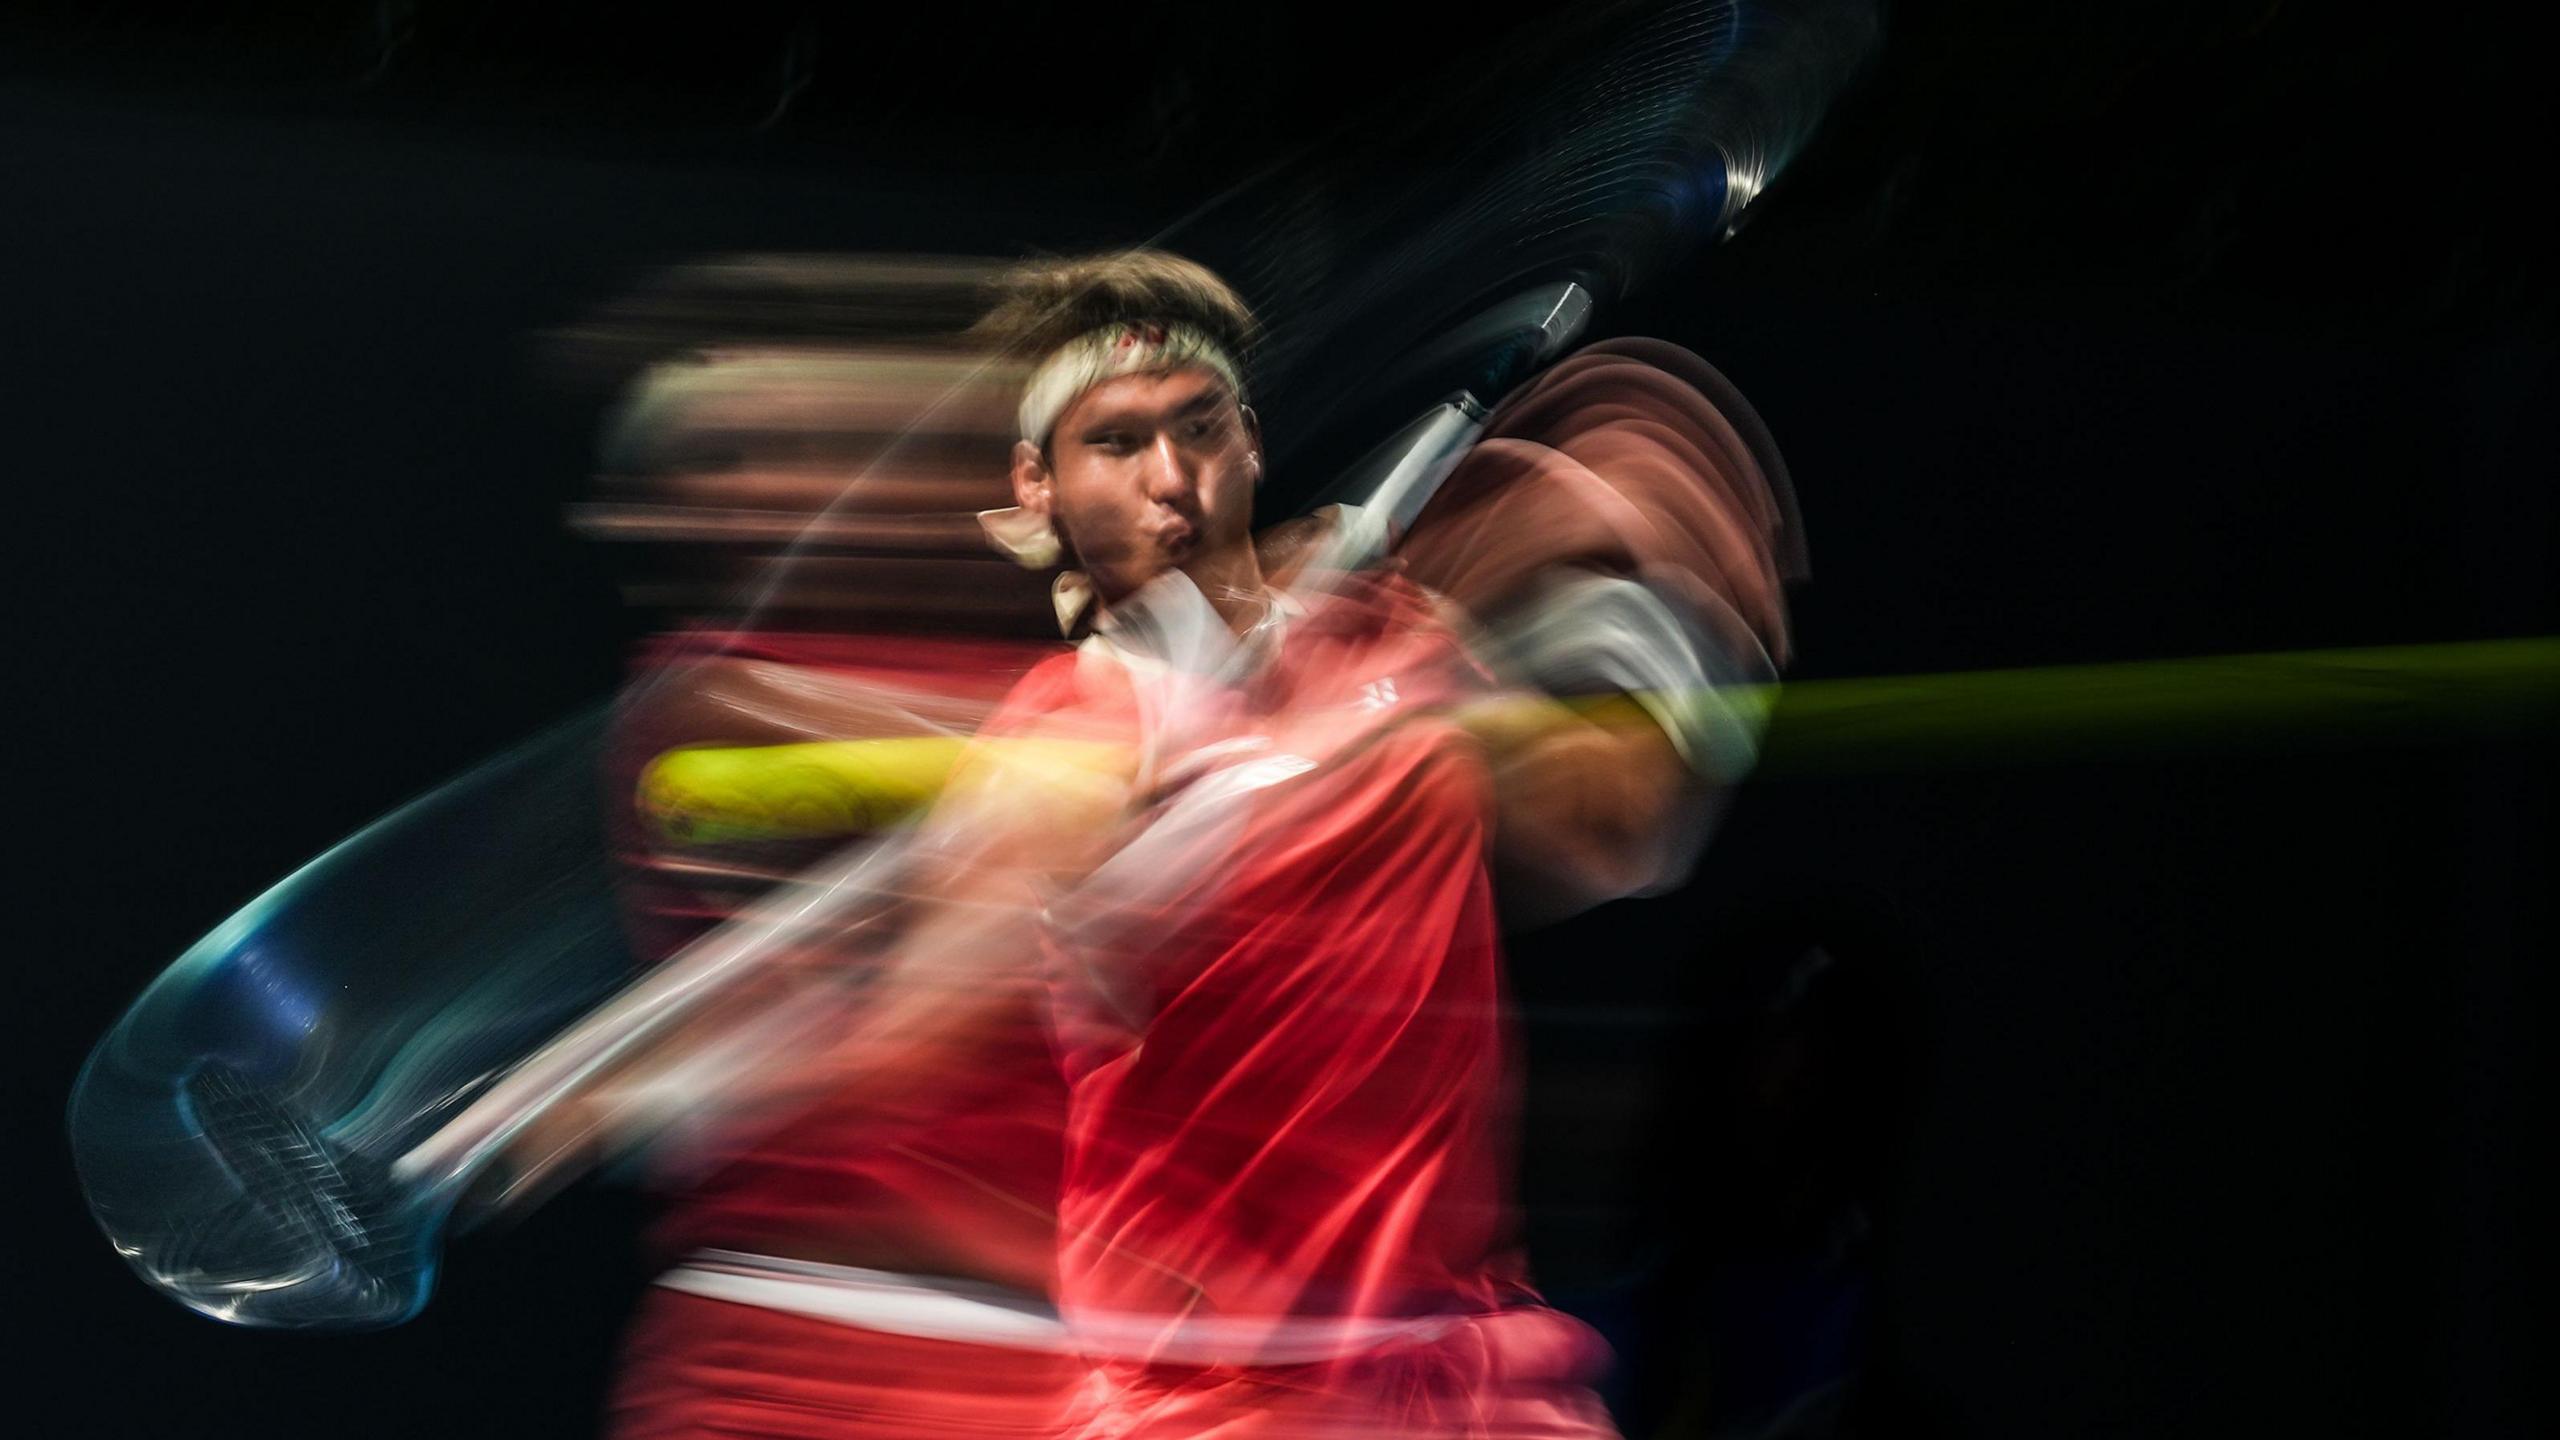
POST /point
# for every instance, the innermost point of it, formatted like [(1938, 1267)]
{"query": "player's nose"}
[(1167, 474)]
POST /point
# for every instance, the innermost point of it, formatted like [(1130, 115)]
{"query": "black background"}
[(2195, 1092)]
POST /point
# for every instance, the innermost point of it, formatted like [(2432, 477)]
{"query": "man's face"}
[(1146, 473)]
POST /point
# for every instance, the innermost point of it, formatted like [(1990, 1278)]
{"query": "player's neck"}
[(1231, 581)]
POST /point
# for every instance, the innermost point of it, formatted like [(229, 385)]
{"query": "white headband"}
[(1110, 352)]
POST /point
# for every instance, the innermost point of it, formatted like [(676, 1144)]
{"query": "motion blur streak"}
[(1154, 1075), (2403, 693)]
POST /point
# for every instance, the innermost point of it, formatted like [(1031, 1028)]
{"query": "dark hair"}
[(1042, 304)]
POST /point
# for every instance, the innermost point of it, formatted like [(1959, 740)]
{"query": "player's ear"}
[(1033, 487), (1253, 437)]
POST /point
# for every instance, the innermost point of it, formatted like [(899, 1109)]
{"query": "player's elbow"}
[(1590, 816)]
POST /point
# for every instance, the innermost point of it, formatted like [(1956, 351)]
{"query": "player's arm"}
[(882, 1004), (1626, 717), (1015, 825)]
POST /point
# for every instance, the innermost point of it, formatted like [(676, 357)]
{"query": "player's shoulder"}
[(1385, 635), (1045, 686), (1380, 603), (1081, 680)]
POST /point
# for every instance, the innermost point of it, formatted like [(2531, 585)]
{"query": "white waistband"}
[(927, 1307), (938, 1309)]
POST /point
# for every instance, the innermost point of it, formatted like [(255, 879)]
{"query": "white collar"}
[(1168, 624)]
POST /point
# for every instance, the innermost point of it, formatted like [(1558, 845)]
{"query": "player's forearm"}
[(949, 986), (1583, 807), (860, 1029), (869, 1008)]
